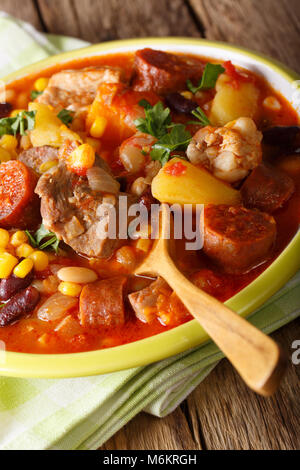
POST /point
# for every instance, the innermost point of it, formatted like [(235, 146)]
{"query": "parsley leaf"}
[(209, 78), (24, 121), (43, 239), (156, 120), (34, 94), (177, 139), (66, 116), (201, 116)]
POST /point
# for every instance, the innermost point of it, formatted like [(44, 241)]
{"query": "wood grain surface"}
[(221, 413)]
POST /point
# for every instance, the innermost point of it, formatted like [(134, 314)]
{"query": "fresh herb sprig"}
[(66, 116), (201, 116), (209, 78), (34, 94), (156, 121), (20, 124), (43, 239), (177, 139)]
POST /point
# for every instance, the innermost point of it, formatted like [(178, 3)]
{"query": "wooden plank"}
[(24, 10), (222, 413), (100, 20), (267, 26)]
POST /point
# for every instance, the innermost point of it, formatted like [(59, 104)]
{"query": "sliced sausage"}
[(162, 72), (18, 203), (267, 189), (21, 304), (144, 302), (36, 156), (102, 303), (237, 239)]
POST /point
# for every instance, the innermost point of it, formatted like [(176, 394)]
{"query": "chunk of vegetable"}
[(49, 129), (193, 186), (231, 103)]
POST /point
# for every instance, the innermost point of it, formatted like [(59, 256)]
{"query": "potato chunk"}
[(192, 185), (231, 103)]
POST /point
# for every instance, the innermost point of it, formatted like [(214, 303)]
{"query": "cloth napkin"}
[(83, 413)]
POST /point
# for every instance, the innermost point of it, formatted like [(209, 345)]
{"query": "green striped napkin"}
[(83, 413)]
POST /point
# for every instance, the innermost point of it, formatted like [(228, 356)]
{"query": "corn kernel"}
[(187, 94), (143, 244), (41, 84), (95, 143), (23, 268), (4, 238), (47, 165), (25, 142), (70, 288), (7, 264), (82, 158), (15, 112), (98, 128), (9, 142), (24, 250), (18, 238), (22, 100), (5, 156), (40, 260)]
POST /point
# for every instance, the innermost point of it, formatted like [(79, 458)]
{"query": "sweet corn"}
[(70, 288), (47, 165), (9, 142), (187, 94), (5, 155), (25, 142), (15, 112), (24, 250), (41, 84), (4, 238), (95, 143), (7, 264), (40, 260), (18, 238), (98, 127), (143, 244), (82, 158), (23, 268)]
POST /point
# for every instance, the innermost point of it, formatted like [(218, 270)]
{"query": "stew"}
[(83, 143)]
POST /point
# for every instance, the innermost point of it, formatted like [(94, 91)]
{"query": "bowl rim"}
[(183, 337)]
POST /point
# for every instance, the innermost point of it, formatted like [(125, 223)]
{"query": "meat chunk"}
[(267, 189), (162, 72), (36, 156), (74, 89), (237, 239), (144, 302), (79, 216), (102, 304), (229, 152)]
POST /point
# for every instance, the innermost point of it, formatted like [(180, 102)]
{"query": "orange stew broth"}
[(26, 334)]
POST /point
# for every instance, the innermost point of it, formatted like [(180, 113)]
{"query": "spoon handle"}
[(256, 357)]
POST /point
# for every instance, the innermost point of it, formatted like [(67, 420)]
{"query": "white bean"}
[(77, 275)]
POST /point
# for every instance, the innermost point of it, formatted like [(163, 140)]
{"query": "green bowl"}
[(190, 334)]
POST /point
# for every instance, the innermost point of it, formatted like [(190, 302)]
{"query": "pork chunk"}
[(144, 302), (75, 89), (36, 156), (78, 215)]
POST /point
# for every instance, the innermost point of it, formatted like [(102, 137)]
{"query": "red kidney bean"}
[(19, 305), (5, 109), (13, 284), (180, 104)]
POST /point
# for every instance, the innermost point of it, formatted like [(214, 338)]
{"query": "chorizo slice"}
[(236, 238), (36, 156), (163, 72), (102, 303), (17, 184), (267, 189)]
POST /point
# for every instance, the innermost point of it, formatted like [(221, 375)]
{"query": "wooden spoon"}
[(256, 357)]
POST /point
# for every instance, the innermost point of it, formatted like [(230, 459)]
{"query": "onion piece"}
[(56, 307), (100, 180)]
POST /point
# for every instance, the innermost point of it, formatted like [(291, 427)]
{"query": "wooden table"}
[(222, 413)]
